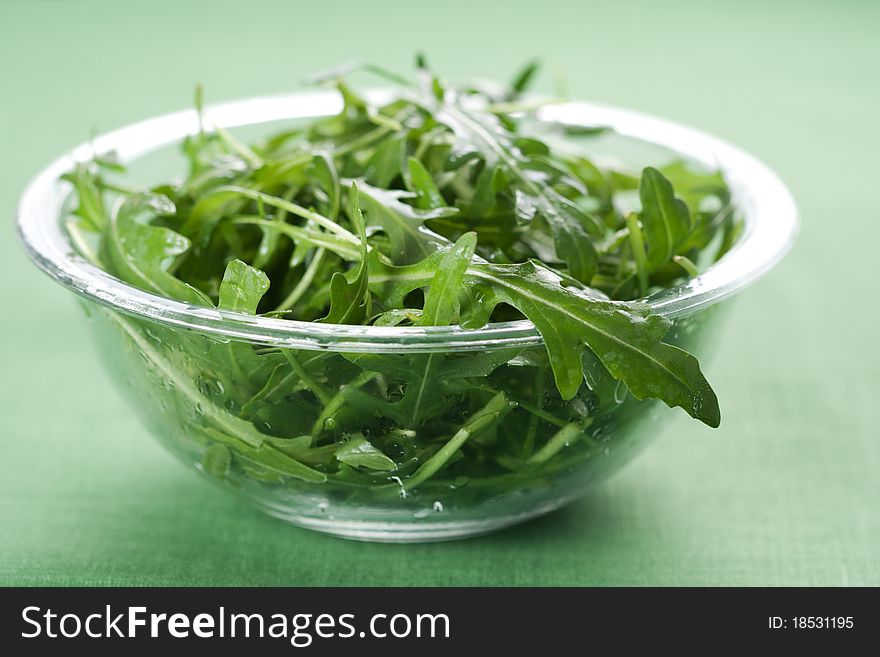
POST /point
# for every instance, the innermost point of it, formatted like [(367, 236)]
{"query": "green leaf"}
[(145, 255), (86, 186), (208, 212), (302, 449), (442, 299), (410, 239), (269, 457), (522, 79), (397, 316), (293, 208), (474, 364), (464, 208), (440, 309), (385, 163), (572, 241), (359, 453), (625, 337), (486, 134), (323, 172), (479, 421), (393, 283), (281, 381), (665, 218), (242, 288), (350, 300), (490, 182), (216, 459), (637, 246), (271, 242), (693, 185), (312, 238), (421, 183)]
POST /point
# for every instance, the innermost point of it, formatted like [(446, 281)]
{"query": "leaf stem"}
[(292, 208), (562, 438), (246, 153), (343, 249), (529, 441), (478, 422), (304, 282), (306, 378), (332, 405), (236, 427), (81, 243), (364, 140), (267, 456), (637, 243), (541, 414), (686, 264)]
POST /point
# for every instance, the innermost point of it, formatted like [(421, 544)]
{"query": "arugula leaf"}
[(145, 255), (90, 208), (269, 457), (485, 134), (441, 308), (448, 205), (359, 453), (410, 239), (242, 288), (350, 301), (482, 420), (442, 299), (420, 182), (625, 337), (665, 218), (324, 172), (216, 460), (385, 164), (522, 79)]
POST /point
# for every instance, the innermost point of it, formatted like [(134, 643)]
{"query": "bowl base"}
[(383, 531)]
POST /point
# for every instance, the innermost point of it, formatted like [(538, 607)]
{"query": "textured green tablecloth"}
[(786, 492)]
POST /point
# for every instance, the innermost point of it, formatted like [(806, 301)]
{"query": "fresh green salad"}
[(448, 205)]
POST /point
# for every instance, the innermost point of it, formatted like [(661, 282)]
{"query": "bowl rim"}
[(765, 203)]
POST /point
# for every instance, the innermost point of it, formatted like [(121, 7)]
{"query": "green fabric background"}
[(786, 492)]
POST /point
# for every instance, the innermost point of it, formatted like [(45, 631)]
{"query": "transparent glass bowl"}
[(163, 354)]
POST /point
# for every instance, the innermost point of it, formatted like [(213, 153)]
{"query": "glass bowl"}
[(247, 431)]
